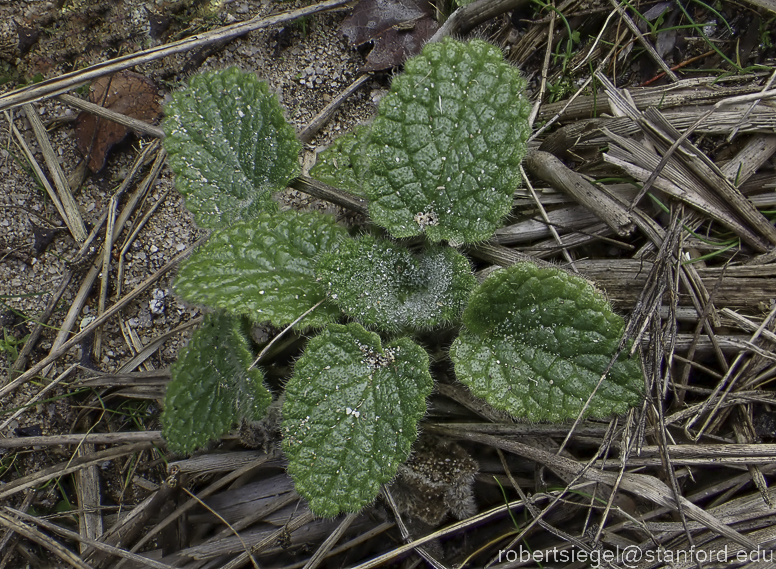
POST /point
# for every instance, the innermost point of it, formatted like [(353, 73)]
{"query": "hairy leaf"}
[(382, 284), (350, 415), (229, 145), (263, 269), (537, 340), (445, 148), (343, 164), (212, 387)]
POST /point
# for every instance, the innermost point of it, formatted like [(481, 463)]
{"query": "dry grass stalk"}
[(550, 169), (71, 80), (43, 540), (687, 92), (69, 467), (65, 194)]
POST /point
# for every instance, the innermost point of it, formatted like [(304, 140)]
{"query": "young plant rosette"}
[(441, 160)]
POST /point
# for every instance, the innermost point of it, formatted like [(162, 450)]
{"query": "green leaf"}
[(445, 149), (229, 146), (212, 387), (264, 269), (350, 416), (382, 284), (537, 340), (344, 164)]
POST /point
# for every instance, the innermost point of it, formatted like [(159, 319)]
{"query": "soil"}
[(306, 64)]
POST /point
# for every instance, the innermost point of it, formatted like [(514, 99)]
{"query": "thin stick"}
[(133, 342), (73, 220), (405, 533), (131, 239), (38, 171), (724, 383), (140, 289), (66, 533), (39, 477), (595, 42), (91, 438), (107, 251), (214, 487), (684, 63), (321, 118), (644, 42), (534, 511), (604, 62), (290, 527), (36, 398), (326, 546), (6, 544), (286, 329), (760, 95), (21, 362), (216, 514), (73, 79), (751, 108), (546, 219), (45, 541), (100, 111), (94, 270), (545, 67), (139, 162)]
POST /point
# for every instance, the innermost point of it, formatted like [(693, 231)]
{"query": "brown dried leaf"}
[(370, 18), (398, 28), (396, 45), (128, 93), (27, 37)]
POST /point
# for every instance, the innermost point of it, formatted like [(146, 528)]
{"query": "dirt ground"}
[(294, 60), (305, 63)]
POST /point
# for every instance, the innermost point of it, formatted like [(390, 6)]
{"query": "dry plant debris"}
[(127, 93), (663, 117), (397, 28)]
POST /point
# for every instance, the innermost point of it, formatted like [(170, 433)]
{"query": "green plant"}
[(303, 25), (573, 36), (766, 31), (560, 89), (440, 161), (537, 340), (10, 344)]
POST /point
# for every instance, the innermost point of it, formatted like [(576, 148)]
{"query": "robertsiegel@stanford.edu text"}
[(632, 555)]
